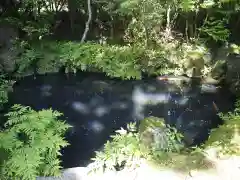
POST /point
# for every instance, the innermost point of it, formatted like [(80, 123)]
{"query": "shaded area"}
[(96, 106)]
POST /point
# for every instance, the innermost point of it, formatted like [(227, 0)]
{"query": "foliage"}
[(145, 16), (5, 86), (126, 149), (158, 136), (229, 133), (3, 92), (114, 60), (235, 49), (125, 62), (160, 37), (40, 57), (157, 32), (215, 30), (31, 143)]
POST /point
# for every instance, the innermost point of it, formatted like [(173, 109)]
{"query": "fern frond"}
[(32, 142)]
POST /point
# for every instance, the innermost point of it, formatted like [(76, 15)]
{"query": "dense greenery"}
[(3, 92), (30, 143), (229, 143), (158, 36), (124, 39), (128, 147), (5, 87)]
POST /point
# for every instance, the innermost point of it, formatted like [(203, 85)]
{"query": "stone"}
[(77, 173), (8, 54), (154, 134)]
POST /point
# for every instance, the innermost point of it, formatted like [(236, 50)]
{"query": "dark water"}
[(96, 106)]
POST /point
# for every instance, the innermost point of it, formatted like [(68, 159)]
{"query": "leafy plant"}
[(5, 86), (31, 142), (114, 60), (215, 29), (158, 136), (126, 148), (226, 138), (122, 150)]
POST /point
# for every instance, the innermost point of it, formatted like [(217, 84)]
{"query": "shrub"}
[(126, 62), (30, 143), (5, 86), (123, 150), (158, 136), (226, 138), (3, 93), (126, 147), (115, 61)]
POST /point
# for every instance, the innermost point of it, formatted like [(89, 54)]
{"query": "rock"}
[(154, 134), (8, 55), (218, 71), (232, 75), (227, 67), (77, 173), (227, 169), (208, 88), (206, 85)]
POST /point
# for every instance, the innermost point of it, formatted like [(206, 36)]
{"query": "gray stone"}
[(77, 173), (8, 55)]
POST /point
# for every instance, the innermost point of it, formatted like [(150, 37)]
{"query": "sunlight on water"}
[(45, 90), (96, 126), (141, 99), (80, 107), (101, 111)]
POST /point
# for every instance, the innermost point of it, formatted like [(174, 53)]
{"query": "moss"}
[(226, 137), (151, 122), (183, 161)]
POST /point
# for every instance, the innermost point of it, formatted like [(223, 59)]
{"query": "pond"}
[(96, 106)]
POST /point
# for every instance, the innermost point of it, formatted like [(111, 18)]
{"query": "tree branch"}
[(88, 21)]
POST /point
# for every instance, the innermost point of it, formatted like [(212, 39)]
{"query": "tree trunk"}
[(88, 21), (72, 13), (168, 25)]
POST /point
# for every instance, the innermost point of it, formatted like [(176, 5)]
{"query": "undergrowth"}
[(226, 138), (126, 62), (5, 87), (30, 143), (126, 149)]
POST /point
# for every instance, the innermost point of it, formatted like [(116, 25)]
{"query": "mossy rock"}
[(151, 122), (226, 137), (219, 69), (155, 135)]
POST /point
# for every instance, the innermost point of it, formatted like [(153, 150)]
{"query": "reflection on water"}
[(97, 106)]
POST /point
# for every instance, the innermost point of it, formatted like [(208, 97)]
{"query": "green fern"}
[(32, 141), (229, 133), (123, 149), (126, 149), (215, 29), (5, 86)]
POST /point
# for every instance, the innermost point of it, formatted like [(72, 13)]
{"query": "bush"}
[(126, 62), (115, 61), (158, 136), (30, 143), (226, 138), (126, 149), (123, 150), (5, 86)]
